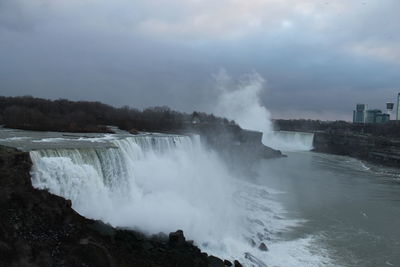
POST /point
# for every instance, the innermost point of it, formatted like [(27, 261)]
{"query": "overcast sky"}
[(318, 58)]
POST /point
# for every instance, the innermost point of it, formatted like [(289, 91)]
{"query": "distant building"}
[(382, 118), (364, 115), (359, 115), (389, 106), (376, 116), (398, 107)]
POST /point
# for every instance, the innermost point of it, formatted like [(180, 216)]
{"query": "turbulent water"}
[(309, 209), (289, 141), (163, 183), (351, 209)]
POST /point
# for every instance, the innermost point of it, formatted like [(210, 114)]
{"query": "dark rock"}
[(378, 143), (134, 131), (177, 239), (227, 263), (240, 148), (263, 247), (215, 262), (147, 245), (5, 250), (236, 263), (160, 237)]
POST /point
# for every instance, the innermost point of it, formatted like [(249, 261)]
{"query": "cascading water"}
[(150, 183), (161, 183), (290, 141)]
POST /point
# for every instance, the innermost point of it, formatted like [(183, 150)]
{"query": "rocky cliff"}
[(375, 143), (236, 145), (375, 149), (41, 229)]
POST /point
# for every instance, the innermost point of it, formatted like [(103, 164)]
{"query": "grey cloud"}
[(95, 52), (13, 17)]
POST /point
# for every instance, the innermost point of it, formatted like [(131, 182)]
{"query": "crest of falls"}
[(289, 141)]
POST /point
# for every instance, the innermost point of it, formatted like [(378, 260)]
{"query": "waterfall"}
[(289, 141), (161, 183), (152, 183)]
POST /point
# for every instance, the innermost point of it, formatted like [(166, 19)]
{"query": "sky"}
[(317, 58)]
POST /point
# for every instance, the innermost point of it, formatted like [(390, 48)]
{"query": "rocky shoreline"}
[(41, 229), (374, 143), (374, 149)]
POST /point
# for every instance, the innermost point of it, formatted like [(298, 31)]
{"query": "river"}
[(309, 209), (351, 209)]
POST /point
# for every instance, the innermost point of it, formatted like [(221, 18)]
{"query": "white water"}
[(241, 101), (290, 141), (154, 184), (164, 183)]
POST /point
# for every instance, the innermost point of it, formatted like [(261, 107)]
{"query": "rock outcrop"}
[(238, 147), (41, 229), (375, 143), (375, 149)]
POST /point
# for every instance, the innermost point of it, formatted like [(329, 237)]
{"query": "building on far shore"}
[(389, 108), (376, 116), (398, 107), (364, 115), (359, 115)]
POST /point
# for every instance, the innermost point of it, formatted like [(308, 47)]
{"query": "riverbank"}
[(377, 144), (41, 229), (374, 149)]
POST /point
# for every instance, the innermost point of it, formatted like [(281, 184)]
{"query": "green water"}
[(352, 208)]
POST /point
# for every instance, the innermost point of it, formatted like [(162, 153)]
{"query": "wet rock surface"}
[(263, 247), (41, 229)]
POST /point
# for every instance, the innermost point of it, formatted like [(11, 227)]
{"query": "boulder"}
[(215, 262), (177, 239), (227, 263), (263, 247), (133, 131)]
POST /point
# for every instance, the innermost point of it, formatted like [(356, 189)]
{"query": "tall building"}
[(359, 115), (364, 115), (398, 107), (389, 108)]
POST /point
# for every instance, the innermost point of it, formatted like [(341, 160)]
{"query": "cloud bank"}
[(319, 57)]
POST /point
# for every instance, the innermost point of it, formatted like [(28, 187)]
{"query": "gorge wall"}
[(236, 145), (375, 149), (375, 143)]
